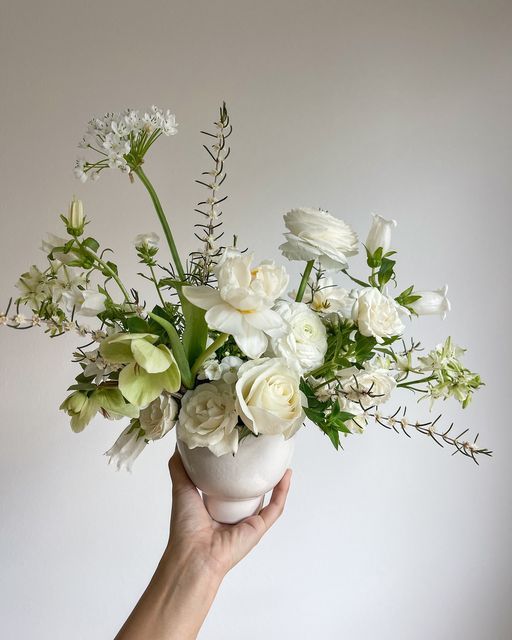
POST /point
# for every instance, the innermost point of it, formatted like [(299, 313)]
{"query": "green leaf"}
[(91, 244), (195, 334), (386, 271)]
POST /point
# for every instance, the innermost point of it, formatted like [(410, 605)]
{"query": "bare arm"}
[(199, 553)]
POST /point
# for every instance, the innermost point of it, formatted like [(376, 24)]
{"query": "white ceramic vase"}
[(234, 486)]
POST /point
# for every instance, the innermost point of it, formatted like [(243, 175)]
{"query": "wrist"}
[(194, 563)]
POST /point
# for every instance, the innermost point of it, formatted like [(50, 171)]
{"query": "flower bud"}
[(380, 234), (76, 219), (432, 303)]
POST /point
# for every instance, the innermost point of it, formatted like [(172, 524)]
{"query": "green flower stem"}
[(216, 344), (163, 221), (177, 349), (404, 385), (155, 281), (106, 269), (304, 281)]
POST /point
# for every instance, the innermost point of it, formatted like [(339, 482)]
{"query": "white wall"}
[(401, 107)]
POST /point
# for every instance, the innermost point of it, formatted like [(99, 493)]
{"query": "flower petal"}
[(203, 297), (223, 317), (152, 359)]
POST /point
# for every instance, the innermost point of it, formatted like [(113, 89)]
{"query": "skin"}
[(198, 555)]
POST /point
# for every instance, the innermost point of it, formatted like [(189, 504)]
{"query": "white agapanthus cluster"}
[(117, 135)]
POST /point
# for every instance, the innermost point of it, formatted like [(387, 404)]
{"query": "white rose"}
[(305, 343), (241, 306), (380, 234), (268, 398), (159, 417), (208, 418), (366, 387), (314, 234), (432, 303), (376, 314)]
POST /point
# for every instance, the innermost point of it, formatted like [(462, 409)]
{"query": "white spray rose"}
[(380, 234), (376, 314), (241, 306), (432, 303), (305, 342), (314, 234), (329, 298), (366, 387), (268, 398), (208, 418), (159, 417)]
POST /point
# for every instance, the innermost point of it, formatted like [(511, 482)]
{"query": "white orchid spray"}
[(224, 352)]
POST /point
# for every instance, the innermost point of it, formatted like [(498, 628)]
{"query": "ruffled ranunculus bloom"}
[(241, 305), (376, 314), (304, 344), (380, 234), (208, 418), (432, 303), (268, 398), (314, 234)]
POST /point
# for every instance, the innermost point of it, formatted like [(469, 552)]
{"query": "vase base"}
[(232, 511)]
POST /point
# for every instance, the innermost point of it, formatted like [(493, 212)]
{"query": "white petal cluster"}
[(314, 234), (324, 297), (113, 136), (380, 234), (126, 448), (226, 369), (377, 314), (304, 344), (268, 398), (242, 303), (208, 418), (366, 387), (159, 417)]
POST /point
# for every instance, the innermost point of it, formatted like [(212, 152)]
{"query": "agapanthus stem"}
[(304, 281), (163, 221), (216, 344)]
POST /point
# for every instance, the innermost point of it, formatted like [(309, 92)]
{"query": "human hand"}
[(219, 546)]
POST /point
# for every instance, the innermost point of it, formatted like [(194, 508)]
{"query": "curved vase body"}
[(234, 486)]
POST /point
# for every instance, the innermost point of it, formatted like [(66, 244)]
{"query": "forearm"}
[(177, 599)]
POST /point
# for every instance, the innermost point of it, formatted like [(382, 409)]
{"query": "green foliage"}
[(407, 297), (326, 414)]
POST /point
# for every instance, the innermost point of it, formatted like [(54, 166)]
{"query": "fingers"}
[(275, 507), (179, 477)]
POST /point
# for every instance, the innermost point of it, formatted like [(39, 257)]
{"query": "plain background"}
[(397, 107)]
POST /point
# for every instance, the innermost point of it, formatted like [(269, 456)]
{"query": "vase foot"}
[(232, 511)]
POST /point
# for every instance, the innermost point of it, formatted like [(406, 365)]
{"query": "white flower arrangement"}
[(226, 353)]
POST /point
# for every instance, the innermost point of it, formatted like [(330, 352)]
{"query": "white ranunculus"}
[(432, 303), (329, 298), (314, 234), (241, 305), (159, 417), (126, 448), (304, 344), (366, 387), (268, 398), (380, 234), (208, 418), (376, 314)]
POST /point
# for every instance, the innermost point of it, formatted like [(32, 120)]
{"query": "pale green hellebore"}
[(149, 370), (109, 400)]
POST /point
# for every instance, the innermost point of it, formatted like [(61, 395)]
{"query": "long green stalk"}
[(163, 221), (177, 349), (216, 344), (304, 281)]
